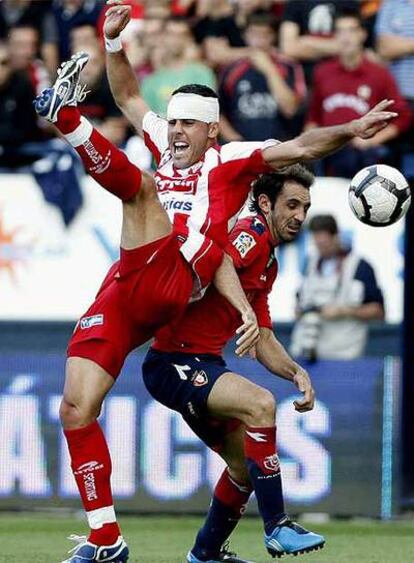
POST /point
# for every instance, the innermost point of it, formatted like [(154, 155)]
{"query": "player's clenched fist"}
[(117, 18)]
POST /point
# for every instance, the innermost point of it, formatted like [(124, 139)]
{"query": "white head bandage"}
[(193, 106)]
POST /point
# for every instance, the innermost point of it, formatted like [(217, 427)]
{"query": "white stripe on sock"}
[(97, 518), (81, 134)]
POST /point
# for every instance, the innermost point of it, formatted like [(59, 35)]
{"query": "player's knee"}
[(75, 415), (263, 408), (148, 189)]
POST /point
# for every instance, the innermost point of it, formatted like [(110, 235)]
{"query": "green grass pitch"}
[(39, 538)]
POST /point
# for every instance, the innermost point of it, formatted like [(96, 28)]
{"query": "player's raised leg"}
[(144, 219)]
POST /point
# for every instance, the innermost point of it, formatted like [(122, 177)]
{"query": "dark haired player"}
[(185, 371)]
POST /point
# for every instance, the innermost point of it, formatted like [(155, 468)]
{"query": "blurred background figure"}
[(306, 32), (24, 49), (82, 36), (261, 93), (339, 295), (347, 86), (69, 14), (18, 120), (144, 50), (176, 66), (14, 13)]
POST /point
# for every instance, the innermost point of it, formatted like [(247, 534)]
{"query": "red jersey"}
[(340, 94), (207, 325), (203, 200)]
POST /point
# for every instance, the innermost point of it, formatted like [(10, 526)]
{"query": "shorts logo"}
[(244, 243), (199, 378), (88, 322), (272, 463)]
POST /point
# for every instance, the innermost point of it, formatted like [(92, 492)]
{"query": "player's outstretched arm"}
[(228, 284), (271, 353), (122, 80), (320, 142)]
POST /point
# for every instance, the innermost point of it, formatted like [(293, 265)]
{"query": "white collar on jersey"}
[(193, 106)]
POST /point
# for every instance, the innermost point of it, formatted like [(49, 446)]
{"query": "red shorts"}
[(148, 288)]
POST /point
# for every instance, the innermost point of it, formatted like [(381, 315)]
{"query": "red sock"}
[(231, 493), (106, 164), (91, 466), (264, 470)]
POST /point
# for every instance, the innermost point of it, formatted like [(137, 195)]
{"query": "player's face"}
[(188, 140), (286, 218)]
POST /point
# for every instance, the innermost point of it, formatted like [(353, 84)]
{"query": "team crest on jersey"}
[(257, 226), (199, 378), (88, 322), (244, 243)]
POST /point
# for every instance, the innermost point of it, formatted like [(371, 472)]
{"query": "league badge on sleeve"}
[(244, 243)]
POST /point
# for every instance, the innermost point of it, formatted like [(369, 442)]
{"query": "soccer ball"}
[(379, 195)]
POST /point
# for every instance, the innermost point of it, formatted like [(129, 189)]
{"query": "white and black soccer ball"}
[(379, 195)]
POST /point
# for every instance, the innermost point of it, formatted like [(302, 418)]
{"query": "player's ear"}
[(264, 203), (213, 130)]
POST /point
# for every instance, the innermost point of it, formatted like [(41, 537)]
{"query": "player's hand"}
[(304, 384), (374, 121), (250, 334), (117, 18)]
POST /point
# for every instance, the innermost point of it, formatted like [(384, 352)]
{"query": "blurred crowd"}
[(279, 66)]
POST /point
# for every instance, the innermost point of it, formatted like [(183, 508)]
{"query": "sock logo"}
[(86, 470), (257, 436), (101, 163), (272, 463)]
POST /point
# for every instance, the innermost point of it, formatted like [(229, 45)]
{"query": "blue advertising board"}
[(341, 458)]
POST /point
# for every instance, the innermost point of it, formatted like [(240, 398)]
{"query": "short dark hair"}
[(348, 13), (262, 17), (272, 183), (325, 223), (199, 89)]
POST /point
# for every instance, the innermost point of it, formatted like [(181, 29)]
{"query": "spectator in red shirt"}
[(345, 88), (261, 92)]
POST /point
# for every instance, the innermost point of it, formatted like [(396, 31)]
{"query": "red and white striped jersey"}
[(203, 200)]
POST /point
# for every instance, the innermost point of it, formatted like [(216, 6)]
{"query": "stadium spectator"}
[(261, 92), (344, 88), (35, 14), (24, 47), (69, 14), (338, 296), (306, 30), (18, 120), (82, 35), (175, 69), (144, 50), (395, 43), (217, 31), (99, 106)]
